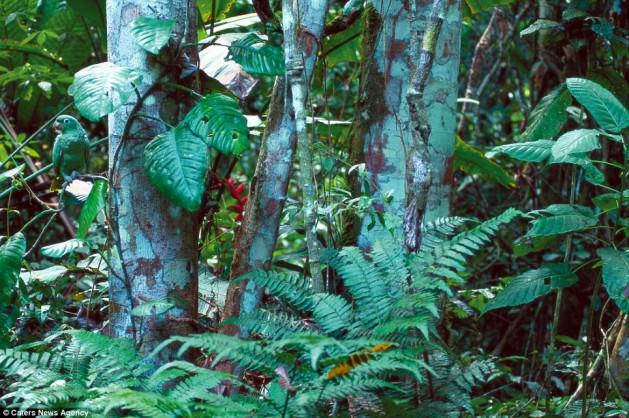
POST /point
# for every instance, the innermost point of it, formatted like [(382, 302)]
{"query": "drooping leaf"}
[(616, 276), (177, 162), (578, 141), (218, 118), (532, 284), (46, 275), (152, 34), (11, 253), (12, 173), (62, 249), (95, 202), (256, 56), (592, 173), (156, 307), (100, 89), (563, 218), (605, 108), (472, 161), (549, 115), (541, 24), (535, 151)]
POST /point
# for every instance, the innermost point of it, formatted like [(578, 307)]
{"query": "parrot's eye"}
[(66, 120)]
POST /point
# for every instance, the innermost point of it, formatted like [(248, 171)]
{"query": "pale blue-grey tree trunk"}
[(384, 130), (154, 242)]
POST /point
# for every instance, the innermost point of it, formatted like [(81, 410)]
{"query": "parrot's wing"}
[(57, 155)]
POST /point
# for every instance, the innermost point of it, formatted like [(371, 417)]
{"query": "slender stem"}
[(586, 348)]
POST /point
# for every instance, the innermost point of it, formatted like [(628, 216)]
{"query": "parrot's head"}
[(65, 124)]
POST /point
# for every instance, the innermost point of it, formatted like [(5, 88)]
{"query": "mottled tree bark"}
[(154, 242), (384, 132), (258, 232)]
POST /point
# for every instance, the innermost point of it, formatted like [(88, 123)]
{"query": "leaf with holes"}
[(256, 56), (218, 118), (605, 108), (616, 276), (95, 202), (152, 34), (177, 162), (11, 253), (578, 141), (62, 249), (532, 284), (100, 89), (534, 151), (549, 115)]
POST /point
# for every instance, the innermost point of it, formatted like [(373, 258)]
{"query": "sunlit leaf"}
[(578, 141), (46, 275), (62, 249), (95, 203), (256, 56)]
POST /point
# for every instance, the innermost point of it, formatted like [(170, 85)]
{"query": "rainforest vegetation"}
[(314, 208)]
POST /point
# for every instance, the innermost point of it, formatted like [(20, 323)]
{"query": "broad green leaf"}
[(535, 151), (616, 276), (152, 34), (592, 173), (548, 117), (46, 275), (156, 307), (477, 6), (578, 141), (11, 253), (472, 161), (62, 249), (221, 8), (177, 162), (610, 201), (95, 202), (100, 89), (532, 284), (12, 173), (563, 218), (526, 245), (218, 118), (541, 24), (256, 56), (605, 108)]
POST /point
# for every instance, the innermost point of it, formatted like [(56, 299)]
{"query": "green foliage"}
[(177, 162), (549, 116), (616, 275), (535, 151), (533, 284), (62, 249), (560, 219), (606, 109), (578, 141), (152, 34), (156, 307), (256, 56), (11, 254), (95, 202), (100, 89), (473, 162)]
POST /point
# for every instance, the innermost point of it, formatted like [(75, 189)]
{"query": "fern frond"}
[(272, 325), (331, 312), (290, 286)]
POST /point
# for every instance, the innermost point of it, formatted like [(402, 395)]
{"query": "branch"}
[(351, 13), (264, 11)]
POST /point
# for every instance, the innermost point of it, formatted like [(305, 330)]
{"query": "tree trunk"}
[(154, 243), (258, 232), (384, 132)]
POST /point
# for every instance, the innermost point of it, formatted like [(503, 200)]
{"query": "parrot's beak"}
[(56, 127)]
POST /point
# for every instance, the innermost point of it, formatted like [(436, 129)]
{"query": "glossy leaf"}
[(605, 108), (100, 89), (152, 34), (548, 117), (470, 160), (95, 202), (540, 24), (256, 56), (563, 218), (46, 275), (62, 249), (11, 253), (535, 151), (533, 284), (579, 141), (177, 162), (218, 118), (616, 276)]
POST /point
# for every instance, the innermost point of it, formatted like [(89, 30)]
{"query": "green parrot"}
[(70, 153)]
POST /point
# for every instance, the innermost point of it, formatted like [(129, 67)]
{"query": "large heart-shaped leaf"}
[(256, 56), (616, 276), (11, 253), (532, 284), (100, 89), (95, 203), (62, 249), (578, 141), (549, 115), (605, 108), (152, 34), (218, 118), (177, 163), (534, 151)]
